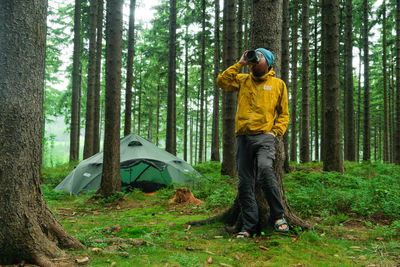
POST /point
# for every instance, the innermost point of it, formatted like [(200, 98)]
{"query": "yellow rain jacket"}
[(262, 101)]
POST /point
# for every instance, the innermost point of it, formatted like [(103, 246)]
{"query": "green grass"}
[(356, 219)]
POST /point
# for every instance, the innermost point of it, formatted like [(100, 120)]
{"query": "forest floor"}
[(355, 219)]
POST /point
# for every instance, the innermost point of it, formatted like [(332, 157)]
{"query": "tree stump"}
[(232, 216)]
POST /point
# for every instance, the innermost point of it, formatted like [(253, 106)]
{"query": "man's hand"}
[(271, 133), (243, 60)]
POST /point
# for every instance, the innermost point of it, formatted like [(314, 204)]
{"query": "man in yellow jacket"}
[(262, 114)]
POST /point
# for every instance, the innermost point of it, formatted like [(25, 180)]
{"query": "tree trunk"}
[(285, 70), (316, 128), (397, 128), (228, 166), (97, 87), (367, 122), (269, 37), (75, 101), (323, 83), (333, 160), (28, 230), (171, 105), (185, 120), (89, 123), (129, 73), (111, 177), (386, 158), (349, 134), (305, 98), (203, 65), (215, 122), (293, 111)]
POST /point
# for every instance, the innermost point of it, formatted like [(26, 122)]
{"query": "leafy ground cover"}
[(355, 218)]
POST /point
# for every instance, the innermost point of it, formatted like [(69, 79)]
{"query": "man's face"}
[(261, 68)]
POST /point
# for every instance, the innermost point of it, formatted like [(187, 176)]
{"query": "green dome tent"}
[(143, 165)]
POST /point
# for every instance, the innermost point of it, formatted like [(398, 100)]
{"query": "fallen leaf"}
[(362, 257), (299, 265), (379, 238), (218, 237), (237, 257), (354, 247), (210, 260), (336, 255), (96, 212), (82, 261), (263, 248), (209, 252), (225, 265), (188, 228), (118, 207), (171, 224), (96, 250), (113, 263)]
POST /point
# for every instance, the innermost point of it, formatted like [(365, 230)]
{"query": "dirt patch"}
[(183, 196)]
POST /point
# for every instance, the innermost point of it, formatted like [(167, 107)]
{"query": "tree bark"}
[(185, 120), (129, 73), (305, 96), (316, 125), (228, 166), (349, 133), (171, 105), (215, 156), (203, 65), (367, 121), (293, 110), (75, 101), (97, 86), (386, 157), (111, 176), (333, 160), (285, 70), (89, 123), (397, 134), (28, 230)]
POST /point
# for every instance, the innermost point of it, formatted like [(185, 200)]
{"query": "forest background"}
[(150, 66)]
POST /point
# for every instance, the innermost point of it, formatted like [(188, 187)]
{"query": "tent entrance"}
[(146, 176)]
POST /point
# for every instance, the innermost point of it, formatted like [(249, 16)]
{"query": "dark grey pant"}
[(255, 156)]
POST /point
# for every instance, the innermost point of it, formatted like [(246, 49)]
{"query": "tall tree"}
[(75, 101), (285, 69), (228, 166), (305, 98), (316, 128), (269, 37), (367, 122), (89, 122), (186, 90), (215, 122), (385, 89), (28, 230), (349, 133), (293, 110), (129, 73), (203, 66), (397, 128), (333, 160), (97, 85), (111, 176), (171, 105)]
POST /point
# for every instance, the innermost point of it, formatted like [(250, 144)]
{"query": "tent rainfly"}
[(143, 165)]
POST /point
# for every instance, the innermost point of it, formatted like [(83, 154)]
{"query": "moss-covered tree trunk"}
[(28, 230)]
